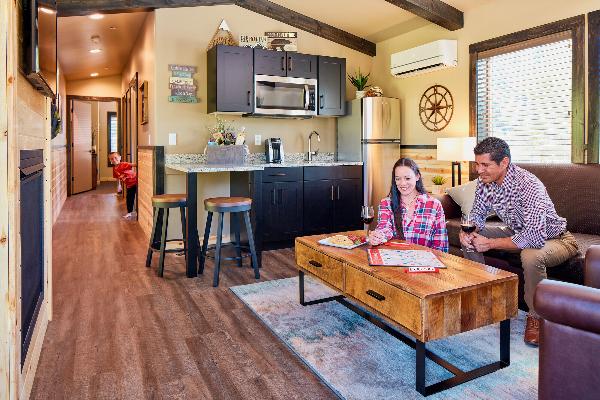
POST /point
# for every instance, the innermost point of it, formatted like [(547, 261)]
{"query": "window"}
[(593, 153), (113, 133), (527, 89)]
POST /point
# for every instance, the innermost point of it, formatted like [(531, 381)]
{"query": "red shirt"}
[(124, 172)]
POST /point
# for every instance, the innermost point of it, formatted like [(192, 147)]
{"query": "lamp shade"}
[(456, 149)]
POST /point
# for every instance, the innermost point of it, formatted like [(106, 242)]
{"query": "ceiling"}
[(379, 21), (74, 43)]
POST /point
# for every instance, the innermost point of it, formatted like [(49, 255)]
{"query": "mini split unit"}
[(426, 58)]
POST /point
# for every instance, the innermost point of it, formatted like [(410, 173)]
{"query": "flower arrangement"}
[(222, 133)]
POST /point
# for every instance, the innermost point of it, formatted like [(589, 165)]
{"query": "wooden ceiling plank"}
[(269, 9), (435, 11)]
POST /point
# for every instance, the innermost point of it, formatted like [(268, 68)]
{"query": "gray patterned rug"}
[(357, 360)]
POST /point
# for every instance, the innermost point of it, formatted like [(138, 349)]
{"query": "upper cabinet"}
[(332, 86), (281, 63), (230, 83)]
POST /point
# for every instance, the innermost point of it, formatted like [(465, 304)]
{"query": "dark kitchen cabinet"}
[(230, 79), (282, 210), (318, 206), (348, 204), (281, 63), (301, 65), (332, 86)]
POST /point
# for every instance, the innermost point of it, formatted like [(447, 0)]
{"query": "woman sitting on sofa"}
[(420, 217)]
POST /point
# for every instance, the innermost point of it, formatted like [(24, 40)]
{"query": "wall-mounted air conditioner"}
[(426, 58)]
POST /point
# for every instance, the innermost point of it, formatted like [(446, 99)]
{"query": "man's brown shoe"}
[(532, 331)]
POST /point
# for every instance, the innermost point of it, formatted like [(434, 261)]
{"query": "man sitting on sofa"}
[(533, 227)]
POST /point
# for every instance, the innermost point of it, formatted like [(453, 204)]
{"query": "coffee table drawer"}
[(322, 266), (394, 303)]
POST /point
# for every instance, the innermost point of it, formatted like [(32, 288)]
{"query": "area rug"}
[(357, 360)]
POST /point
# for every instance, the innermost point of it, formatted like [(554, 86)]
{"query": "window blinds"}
[(524, 97)]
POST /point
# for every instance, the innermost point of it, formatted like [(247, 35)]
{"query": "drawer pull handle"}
[(315, 264), (278, 174), (375, 295)]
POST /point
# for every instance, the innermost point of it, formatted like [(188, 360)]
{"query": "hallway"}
[(120, 332)]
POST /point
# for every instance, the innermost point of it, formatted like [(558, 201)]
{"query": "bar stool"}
[(161, 205), (235, 206)]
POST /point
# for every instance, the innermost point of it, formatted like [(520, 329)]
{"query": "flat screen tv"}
[(38, 44)]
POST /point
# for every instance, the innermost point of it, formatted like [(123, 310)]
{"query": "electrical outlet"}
[(172, 139), (257, 140)]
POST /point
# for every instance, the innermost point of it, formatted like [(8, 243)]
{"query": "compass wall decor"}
[(436, 108)]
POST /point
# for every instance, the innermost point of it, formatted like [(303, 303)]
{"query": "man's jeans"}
[(534, 261)]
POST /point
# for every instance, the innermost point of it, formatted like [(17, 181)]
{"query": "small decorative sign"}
[(182, 85), (282, 41), (256, 42)]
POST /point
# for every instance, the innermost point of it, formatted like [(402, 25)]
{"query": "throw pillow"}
[(464, 195)]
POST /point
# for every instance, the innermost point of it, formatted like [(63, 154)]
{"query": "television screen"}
[(39, 44)]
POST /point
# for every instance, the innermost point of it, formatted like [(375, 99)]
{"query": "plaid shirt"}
[(427, 226), (522, 203)]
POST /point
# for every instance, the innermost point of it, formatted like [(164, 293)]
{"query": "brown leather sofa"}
[(574, 190), (570, 335)]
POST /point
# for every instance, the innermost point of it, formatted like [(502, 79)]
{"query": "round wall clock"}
[(436, 108)]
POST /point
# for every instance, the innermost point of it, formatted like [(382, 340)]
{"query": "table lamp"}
[(456, 149)]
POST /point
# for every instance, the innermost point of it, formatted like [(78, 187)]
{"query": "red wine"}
[(468, 228), (367, 220)]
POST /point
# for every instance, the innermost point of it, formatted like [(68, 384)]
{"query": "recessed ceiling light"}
[(106, 68), (96, 16), (94, 51), (46, 10), (112, 28), (94, 74)]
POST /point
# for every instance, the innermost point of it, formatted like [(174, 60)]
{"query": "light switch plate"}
[(257, 140), (172, 139)]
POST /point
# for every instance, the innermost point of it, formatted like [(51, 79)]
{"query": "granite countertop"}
[(256, 162)]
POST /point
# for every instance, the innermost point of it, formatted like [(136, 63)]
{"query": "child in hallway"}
[(123, 171)]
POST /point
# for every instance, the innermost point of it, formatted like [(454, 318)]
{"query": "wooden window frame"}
[(110, 114), (576, 27), (593, 147)]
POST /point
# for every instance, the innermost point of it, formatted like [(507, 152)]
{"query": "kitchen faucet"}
[(310, 152)]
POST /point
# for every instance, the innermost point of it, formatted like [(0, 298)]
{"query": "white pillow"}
[(464, 195)]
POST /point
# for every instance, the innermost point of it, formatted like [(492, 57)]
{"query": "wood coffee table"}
[(427, 306)]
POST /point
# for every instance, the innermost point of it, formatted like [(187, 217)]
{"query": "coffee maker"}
[(274, 150)]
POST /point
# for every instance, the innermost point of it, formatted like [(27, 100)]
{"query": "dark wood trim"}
[(419, 146), (593, 136), (93, 98), (311, 25), (435, 11), (575, 25), (264, 7)]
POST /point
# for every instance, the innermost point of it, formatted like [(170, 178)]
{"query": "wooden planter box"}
[(232, 154)]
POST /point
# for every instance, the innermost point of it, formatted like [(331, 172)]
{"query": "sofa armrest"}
[(568, 304), (451, 209), (591, 272)]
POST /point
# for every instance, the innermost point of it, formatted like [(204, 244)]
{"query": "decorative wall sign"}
[(182, 85), (436, 108), (256, 42), (282, 41), (144, 102), (222, 36)]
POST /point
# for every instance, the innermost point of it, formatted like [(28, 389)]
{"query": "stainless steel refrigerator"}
[(370, 132)]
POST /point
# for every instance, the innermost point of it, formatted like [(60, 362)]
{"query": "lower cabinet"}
[(282, 210)]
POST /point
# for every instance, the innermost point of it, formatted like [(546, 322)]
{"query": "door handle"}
[(375, 295), (321, 101), (331, 192), (338, 192), (315, 264), (249, 91)]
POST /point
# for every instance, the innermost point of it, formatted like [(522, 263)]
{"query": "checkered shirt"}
[(522, 203), (427, 226)]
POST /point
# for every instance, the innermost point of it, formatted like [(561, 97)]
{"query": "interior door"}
[(82, 146)]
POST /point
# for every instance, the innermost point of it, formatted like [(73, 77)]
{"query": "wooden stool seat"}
[(169, 200), (238, 207), (228, 204)]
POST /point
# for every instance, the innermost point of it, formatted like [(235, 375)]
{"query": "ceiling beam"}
[(68, 8), (435, 11)]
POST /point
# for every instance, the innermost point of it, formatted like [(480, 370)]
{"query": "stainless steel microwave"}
[(280, 95)]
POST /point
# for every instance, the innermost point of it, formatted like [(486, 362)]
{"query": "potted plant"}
[(225, 146), (438, 181), (359, 81)]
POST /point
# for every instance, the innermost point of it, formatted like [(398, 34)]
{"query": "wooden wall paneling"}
[(430, 167), (593, 136), (151, 181), (59, 180), (435, 11)]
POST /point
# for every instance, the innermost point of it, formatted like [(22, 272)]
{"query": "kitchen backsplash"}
[(253, 158)]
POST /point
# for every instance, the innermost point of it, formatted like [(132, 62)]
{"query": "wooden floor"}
[(120, 332)]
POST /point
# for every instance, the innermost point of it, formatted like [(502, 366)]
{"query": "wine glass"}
[(367, 215), (468, 226)]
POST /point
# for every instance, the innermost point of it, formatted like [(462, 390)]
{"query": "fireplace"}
[(32, 242)]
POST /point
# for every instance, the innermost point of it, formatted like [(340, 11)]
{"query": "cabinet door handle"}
[(278, 174), (273, 197), (375, 295), (315, 264), (331, 192), (290, 63), (283, 63), (249, 91), (321, 101), (338, 192), (280, 196)]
